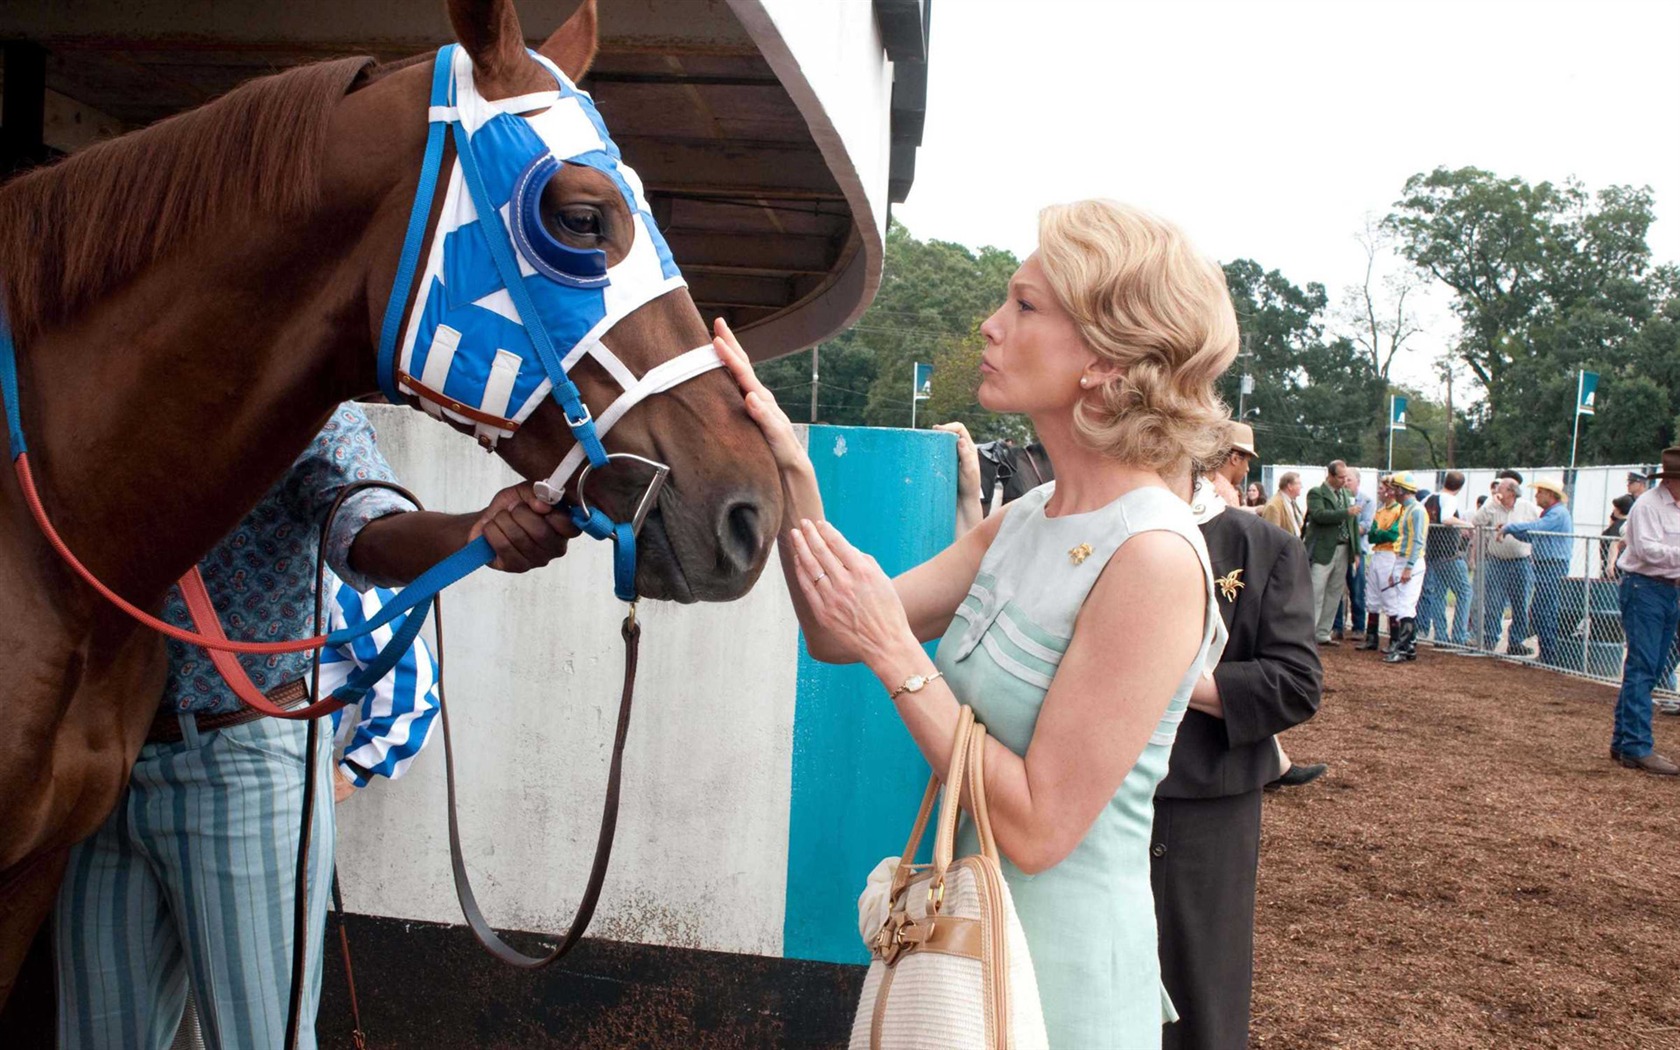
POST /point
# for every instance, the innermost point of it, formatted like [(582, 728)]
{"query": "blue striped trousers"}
[(190, 880)]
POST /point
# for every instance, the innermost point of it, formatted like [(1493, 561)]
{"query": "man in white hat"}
[(1550, 535), (1649, 567)]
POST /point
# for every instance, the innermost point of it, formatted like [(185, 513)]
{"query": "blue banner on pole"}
[(924, 381), (1586, 394), (1397, 412)]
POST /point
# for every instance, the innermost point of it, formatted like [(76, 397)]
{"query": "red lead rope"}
[(211, 637), (192, 586), (233, 672)]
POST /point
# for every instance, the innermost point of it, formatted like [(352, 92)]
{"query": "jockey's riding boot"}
[(1405, 635), (1373, 621)]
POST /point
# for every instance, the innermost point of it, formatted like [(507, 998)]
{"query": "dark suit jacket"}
[(1269, 678)]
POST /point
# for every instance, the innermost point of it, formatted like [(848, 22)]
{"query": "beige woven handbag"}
[(950, 968)]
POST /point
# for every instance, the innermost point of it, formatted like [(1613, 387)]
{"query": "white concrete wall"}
[(533, 665)]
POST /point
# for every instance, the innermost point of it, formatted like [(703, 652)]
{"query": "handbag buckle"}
[(889, 943), (901, 934)]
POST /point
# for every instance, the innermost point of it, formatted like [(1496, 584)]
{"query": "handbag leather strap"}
[(950, 803), (977, 791), (966, 771)]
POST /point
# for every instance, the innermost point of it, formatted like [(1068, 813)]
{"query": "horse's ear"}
[(572, 47), (489, 31)]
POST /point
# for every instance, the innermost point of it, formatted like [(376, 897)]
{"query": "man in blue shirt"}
[(190, 880), (1550, 536)]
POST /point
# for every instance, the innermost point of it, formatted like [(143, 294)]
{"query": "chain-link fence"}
[(1553, 601)]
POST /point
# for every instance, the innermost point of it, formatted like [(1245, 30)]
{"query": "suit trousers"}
[(189, 881), (1204, 860), (1329, 583)]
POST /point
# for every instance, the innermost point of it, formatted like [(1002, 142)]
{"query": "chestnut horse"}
[(189, 304)]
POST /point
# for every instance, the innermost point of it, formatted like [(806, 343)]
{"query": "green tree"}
[(932, 294), (1422, 445), (1631, 422), (956, 379), (1317, 396), (1547, 280)]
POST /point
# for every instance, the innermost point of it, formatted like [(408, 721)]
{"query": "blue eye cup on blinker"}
[(574, 267)]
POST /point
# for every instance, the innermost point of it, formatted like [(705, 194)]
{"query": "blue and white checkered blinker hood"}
[(469, 352)]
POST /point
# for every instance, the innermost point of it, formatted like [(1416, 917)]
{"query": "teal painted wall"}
[(857, 777)]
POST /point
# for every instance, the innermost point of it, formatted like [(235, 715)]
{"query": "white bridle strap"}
[(660, 378)]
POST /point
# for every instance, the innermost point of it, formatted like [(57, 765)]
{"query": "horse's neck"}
[(160, 416)]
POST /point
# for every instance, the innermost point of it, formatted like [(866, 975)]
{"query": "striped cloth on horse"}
[(394, 720)]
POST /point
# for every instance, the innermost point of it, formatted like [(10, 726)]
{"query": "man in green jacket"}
[(1331, 535)]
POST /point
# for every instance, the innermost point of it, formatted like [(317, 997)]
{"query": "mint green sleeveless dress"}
[(1090, 920)]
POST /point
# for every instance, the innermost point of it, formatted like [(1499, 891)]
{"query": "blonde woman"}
[(1077, 620)]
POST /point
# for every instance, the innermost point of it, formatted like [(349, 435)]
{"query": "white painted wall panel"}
[(533, 663)]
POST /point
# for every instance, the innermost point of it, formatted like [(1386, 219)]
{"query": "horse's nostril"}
[(738, 535)]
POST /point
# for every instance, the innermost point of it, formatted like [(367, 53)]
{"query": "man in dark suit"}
[(1206, 848)]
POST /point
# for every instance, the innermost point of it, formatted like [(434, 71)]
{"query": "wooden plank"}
[(730, 168), (756, 252)]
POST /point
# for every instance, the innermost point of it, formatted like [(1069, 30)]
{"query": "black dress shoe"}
[(1297, 774)]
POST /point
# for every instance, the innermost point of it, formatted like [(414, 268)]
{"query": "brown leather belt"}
[(166, 727)]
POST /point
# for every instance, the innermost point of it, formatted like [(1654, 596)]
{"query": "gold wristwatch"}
[(914, 684)]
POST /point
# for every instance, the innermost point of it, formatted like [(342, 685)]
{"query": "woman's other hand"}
[(968, 461), (850, 597), (971, 503)]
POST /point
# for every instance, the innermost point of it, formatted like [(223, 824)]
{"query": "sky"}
[(1271, 129)]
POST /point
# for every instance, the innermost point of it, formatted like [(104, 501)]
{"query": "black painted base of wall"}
[(426, 985)]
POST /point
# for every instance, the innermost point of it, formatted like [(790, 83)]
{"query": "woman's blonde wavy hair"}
[(1145, 301)]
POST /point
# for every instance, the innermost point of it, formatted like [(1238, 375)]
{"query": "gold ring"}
[(820, 577)]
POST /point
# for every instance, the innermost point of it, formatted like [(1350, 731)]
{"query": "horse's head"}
[(570, 282)]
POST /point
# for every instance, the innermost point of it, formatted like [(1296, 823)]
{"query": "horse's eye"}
[(580, 221)]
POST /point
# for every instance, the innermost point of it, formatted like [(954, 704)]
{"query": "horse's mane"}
[(77, 229)]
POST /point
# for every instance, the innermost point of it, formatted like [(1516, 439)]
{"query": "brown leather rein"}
[(487, 936)]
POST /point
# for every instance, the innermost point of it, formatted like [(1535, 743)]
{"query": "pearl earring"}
[(1084, 381)]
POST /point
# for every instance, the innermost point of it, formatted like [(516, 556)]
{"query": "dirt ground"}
[(1472, 872)]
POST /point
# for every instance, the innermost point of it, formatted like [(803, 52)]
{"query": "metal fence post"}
[(1587, 588)]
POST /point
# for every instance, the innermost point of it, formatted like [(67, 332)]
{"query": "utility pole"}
[(1452, 424), (1245, 385), (814, 384)]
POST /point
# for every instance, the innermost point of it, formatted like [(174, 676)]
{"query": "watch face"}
[(914, 682)]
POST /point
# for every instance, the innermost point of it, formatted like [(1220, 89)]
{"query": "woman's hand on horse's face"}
[(851, 597), (525, 532), (761, 403)]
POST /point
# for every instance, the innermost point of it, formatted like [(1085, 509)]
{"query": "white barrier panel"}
[(534, 665)]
